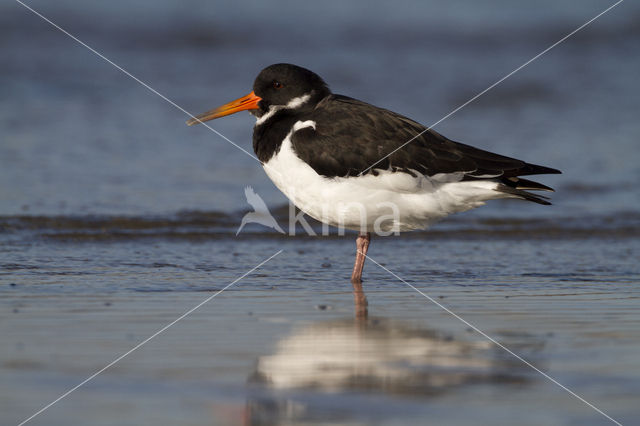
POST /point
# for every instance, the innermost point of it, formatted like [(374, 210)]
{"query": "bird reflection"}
[(369, 355), (360, 301), (317, 368), (376, 354)]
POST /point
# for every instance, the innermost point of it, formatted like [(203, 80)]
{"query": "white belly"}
[(388, 202)]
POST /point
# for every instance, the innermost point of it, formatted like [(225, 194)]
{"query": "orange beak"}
[(247, 102)]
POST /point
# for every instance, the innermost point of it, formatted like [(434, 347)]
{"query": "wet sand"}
[(287, 345)]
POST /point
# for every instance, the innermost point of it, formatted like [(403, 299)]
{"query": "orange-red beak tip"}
[(248, 102)]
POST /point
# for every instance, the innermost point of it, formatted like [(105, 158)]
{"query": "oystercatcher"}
[(337, 159)]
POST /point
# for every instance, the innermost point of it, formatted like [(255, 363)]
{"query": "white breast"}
[(388, 202)]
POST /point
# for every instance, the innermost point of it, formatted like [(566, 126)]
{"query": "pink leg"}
[(362, 245)]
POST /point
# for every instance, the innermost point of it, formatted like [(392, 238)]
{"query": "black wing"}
[(350, 136)]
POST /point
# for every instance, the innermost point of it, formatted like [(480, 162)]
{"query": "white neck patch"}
[(299, 101), (292, 104), (303, 124)]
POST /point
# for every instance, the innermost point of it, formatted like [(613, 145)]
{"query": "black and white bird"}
[(348, 164)]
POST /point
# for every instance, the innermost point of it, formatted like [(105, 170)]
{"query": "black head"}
[(281, 84), (277, 87)]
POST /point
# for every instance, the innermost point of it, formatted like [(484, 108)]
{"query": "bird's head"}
[(277, 87)]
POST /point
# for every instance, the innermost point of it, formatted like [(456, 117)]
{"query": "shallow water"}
[(283, 344), (115, 219)]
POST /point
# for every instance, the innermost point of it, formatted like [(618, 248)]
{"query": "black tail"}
[(540, 199), (515, 185)]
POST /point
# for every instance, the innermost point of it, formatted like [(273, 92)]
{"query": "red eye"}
[(277, 85)]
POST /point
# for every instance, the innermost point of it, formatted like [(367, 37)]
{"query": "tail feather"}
[(520, 183), (514, 185), (532, 169), (519, 193)]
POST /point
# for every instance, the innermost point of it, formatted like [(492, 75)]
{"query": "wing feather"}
[(351, 135)]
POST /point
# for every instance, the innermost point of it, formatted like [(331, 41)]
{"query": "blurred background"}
[(116, 218), (79, 136)]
